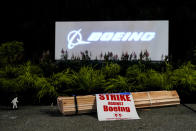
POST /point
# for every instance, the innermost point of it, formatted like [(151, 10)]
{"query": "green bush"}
[(26, 83), (132, 72), (89, 81), (43, 82), (136, 77), (111, 70), (28, 67), (154, 80), (184, 80), (9, 71), (8, 83), (45, 89), (150, 79), (11, 52), (118, 84), (63, 82), (33, 86), (167, 74)]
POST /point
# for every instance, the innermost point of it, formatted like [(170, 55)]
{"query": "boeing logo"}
[(74, 37), (75, 34)]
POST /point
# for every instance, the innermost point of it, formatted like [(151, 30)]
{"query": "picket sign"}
[(116, 106)]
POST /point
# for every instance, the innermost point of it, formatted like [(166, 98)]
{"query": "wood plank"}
[(137, 96), (160, 95)]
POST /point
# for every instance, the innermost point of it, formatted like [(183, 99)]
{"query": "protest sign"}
[(116, 106)]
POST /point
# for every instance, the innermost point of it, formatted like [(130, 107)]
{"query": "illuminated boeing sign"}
[(99, 38), (76, 36)]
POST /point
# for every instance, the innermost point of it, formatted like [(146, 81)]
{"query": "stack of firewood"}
[(87, 104)]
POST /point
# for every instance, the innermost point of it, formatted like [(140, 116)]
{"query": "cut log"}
[(87, 104)]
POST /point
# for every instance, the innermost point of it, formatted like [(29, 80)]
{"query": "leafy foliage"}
[(45, 89), (184, 79), (47, 80), (111, 70), (153, 80), (167, 74), (32, 86), (26, 83), (133, 72), (118, 84), (11, 52), (26, 79), (8, 82), (150, 79), (89, 80), (9, 71), (63, 82), (136, 77)]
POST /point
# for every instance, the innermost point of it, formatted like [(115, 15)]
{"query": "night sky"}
[(33, 22)]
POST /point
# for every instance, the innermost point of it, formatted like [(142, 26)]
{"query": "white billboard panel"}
[(118, 37)]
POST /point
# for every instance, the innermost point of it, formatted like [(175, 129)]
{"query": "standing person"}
[(14, 102)]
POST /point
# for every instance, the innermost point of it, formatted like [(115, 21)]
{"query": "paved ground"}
[(46, 118)]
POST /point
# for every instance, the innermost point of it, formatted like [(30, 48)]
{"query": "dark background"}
[(33, 22)]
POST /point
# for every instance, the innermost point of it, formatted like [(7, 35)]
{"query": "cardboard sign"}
[(116, 106)]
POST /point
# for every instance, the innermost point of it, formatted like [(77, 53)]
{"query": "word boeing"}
[(121, 36), (75, 37)]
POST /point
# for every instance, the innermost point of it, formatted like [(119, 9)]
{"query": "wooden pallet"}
[(87, 104)]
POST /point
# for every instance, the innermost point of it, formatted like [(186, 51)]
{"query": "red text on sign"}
[(115, 103), (116, 109), (114, 97)]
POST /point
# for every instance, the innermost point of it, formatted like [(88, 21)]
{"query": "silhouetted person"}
[(14, 102)]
